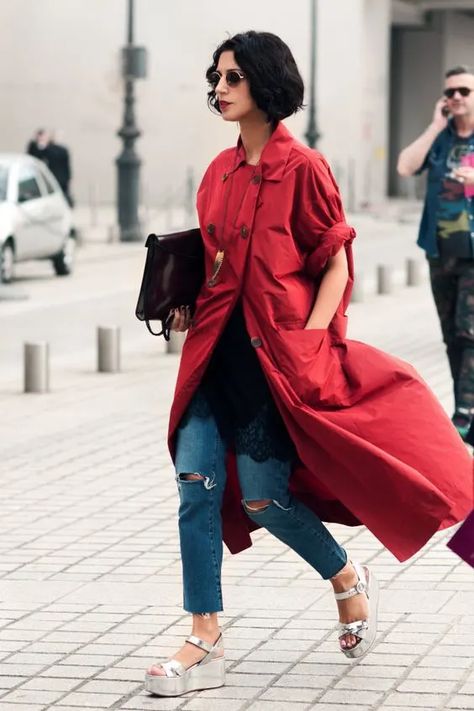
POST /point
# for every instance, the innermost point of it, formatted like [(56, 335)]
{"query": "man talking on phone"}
[(446, 150)]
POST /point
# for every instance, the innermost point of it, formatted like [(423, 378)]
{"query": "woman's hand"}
[(330, 291), (465, 174), (180, 319)]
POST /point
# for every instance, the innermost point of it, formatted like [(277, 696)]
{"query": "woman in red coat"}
[(278, 421)]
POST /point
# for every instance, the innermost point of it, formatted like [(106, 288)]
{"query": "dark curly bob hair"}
[(274, 80)]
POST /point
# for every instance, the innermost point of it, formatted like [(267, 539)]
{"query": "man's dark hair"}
[(274, 80), (460, 69)]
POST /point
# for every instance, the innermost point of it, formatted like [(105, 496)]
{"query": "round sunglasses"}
[(463, 90), (232, 78)]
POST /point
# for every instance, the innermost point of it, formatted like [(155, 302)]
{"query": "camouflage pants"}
[(452, 284)]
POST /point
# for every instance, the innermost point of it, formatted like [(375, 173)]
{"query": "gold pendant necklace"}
[(219, 258), (218, 262)]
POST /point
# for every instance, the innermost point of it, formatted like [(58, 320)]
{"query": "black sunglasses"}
[(232, 78), (463, 90)]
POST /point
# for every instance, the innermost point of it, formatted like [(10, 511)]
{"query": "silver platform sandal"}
[(209, 673), (365, 630)]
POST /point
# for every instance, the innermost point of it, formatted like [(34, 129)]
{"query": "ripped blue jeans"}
[(201, 450)]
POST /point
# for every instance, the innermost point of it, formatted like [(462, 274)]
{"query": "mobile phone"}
[(445, 111)]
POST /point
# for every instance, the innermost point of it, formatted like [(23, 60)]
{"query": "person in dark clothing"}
[(446, 150), (38, 146), (56, 157), (60, 165)]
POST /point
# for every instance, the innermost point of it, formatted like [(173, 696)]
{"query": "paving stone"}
[(6, 706), (421, 686), (97, 660), (351, 696), (461, 701), (229, 692), (199, 704), (408, 700), (43, 683), (153, 703), (100, 686), (260, 655), (294, 694), (7, 682), (444, 662), (365, 683), (9, 669), (33, 696), (69, 671), (86, 700), (263, 667), (135, 675), (145, 701), (434, 673)]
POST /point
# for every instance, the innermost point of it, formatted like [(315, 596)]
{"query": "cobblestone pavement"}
[(90, 573)]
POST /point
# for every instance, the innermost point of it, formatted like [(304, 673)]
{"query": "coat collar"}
[(274, 155)]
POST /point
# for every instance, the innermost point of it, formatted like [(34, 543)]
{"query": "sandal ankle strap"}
[(360, 587), (202, 644)]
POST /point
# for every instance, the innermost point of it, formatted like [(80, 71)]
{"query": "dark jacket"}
[(59, 164), (435, 163)]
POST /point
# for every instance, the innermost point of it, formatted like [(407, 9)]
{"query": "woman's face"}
[(235, 102)]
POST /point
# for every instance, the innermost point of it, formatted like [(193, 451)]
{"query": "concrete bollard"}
[(108, 349), (414, 275), (358, 290), (384, 279), (36, 367), (175, 344)]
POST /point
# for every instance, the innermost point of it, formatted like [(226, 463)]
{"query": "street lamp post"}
[(312, 133), (128, 162)]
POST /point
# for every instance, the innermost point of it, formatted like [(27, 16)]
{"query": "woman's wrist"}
[(315, 323)]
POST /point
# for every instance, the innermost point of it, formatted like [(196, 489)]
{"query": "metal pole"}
[(176, 342), (312, 133), (108, 349), (358, 290), (189, 196), (131, 9), (384, 279), (414, 275), (36, 367), (128, 162)]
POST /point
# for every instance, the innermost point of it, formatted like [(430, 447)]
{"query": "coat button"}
[(256, 342), (210, 229), (256, 179), (244, 232)]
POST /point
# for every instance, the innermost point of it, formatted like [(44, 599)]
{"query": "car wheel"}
[(7, 261), (63, 262)]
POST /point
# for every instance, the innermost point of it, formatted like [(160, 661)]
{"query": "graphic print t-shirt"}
[(454, 237)]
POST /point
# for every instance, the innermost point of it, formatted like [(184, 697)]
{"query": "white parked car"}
[(35, 218)]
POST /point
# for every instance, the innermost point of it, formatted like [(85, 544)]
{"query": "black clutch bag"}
[(172, 277)]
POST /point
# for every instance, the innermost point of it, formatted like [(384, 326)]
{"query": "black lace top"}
[(235, 391)]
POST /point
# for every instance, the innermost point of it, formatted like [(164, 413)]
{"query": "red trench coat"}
[(375, 446)]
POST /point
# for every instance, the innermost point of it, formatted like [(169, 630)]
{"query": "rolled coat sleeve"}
[(320, 227)]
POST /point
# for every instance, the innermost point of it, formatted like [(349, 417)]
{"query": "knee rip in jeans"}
[(208, 481), (256, 507)]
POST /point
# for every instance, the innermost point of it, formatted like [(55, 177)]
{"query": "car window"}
[(28, 188), (46, 179), (3, 182)]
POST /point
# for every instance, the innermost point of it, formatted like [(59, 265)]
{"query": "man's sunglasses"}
[(232, 78), (463, 90)]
